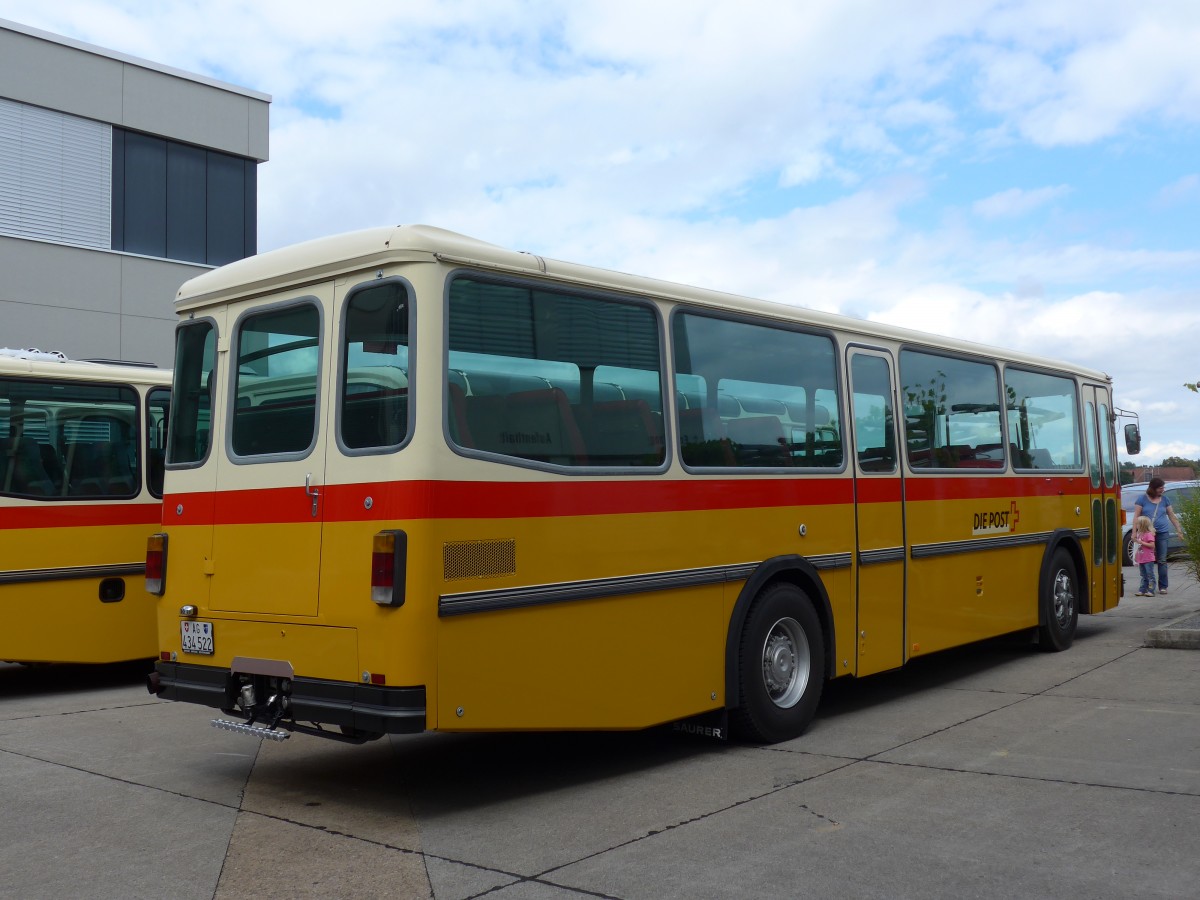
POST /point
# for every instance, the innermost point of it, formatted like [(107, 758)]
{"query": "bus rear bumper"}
[(360, 708)]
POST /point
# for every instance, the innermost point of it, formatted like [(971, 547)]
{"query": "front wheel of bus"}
[(781, 666), (1060, 603)]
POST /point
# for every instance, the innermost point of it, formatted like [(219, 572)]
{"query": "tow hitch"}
[(270, 711)]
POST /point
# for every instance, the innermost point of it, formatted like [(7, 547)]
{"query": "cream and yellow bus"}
[(82, 448), (416, 481)]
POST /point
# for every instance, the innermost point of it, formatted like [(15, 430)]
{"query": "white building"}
[(119, 180)]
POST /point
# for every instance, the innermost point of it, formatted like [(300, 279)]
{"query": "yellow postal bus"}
[(81, 465), (416, 481)]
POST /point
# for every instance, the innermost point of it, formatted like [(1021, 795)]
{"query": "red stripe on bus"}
[(984, 488), (499, 500), (78, 516), (488, 500)]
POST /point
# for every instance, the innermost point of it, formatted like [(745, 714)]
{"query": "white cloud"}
[(1017, 202), (1184, 190)]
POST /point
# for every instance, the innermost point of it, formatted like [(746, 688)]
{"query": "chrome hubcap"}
[(785, 662), (1064, 598)]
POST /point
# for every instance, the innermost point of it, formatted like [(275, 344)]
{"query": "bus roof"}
[(315, 260), (46, 366)]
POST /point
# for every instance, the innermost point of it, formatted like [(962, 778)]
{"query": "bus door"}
[(271, 469), (879, 508), (1105, 519)]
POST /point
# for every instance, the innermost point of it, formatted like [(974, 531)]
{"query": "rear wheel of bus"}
[(781, 666)]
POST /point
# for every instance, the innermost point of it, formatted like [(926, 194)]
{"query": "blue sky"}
[(1016, 172)]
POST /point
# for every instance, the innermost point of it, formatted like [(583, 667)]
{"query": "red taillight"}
[(156, 564), (389, 556)]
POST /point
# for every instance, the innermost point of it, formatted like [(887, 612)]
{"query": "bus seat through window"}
[(540, 426), (759, 441), (702, 438), (624, 432)]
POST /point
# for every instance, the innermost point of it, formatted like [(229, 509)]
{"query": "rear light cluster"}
[(156, 564), (389, 559)]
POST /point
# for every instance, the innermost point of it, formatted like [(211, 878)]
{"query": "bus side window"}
[(755, 396), (373, 407), (548, 376)]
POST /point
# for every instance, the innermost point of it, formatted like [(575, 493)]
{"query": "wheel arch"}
[(800, 572), (1067, 539)]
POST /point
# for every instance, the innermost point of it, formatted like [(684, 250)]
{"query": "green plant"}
[(1187, 509)]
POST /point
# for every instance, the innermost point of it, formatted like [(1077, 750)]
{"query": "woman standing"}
[(1156, 506)]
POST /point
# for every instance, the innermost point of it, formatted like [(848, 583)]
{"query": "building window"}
[(182, 202)]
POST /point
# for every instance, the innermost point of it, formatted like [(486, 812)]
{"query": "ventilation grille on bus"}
[(479, 559)]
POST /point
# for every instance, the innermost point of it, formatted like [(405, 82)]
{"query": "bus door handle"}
[(311, 491)]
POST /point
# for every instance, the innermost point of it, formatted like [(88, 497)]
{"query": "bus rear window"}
[(278, 363), (68, 439), (190, 433)]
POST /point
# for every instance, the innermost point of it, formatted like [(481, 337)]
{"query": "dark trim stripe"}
[(27, 576), (883, 555), (537, 595), (831, 561), (598, 588), (949, 548)]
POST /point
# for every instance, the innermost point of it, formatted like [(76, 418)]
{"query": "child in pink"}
[(1143, 554)]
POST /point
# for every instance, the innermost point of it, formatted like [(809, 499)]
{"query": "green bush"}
[(1187, 509)]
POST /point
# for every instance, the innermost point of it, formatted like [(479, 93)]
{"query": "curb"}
[(1182, 634)]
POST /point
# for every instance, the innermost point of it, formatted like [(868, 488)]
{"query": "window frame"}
[(231, 387), (837, 351), (342, 368), (902, 412), (171, 465), (136, 426), (586, 293), (1079, 425)]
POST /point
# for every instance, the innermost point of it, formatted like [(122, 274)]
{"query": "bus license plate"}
[(197, 637)]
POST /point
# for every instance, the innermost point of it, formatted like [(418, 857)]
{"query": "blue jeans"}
[(1161, 540), (1147, 585)]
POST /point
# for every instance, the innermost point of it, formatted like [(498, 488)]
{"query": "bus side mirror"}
[(1133, 439)]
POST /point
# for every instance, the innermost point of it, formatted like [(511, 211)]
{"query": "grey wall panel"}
[(148, 340), (186, 111), (73, 77), (58, 77), (88, 303), (149, 286), (80, 335), (259, 126), (69, 278)]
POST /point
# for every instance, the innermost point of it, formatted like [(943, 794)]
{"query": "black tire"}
[(1127, 550), (1059, 599), (781, 666)]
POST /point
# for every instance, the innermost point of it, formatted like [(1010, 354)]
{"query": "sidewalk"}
[(1182, 604)]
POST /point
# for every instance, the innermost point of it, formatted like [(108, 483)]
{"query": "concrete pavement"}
[(992, 771)]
